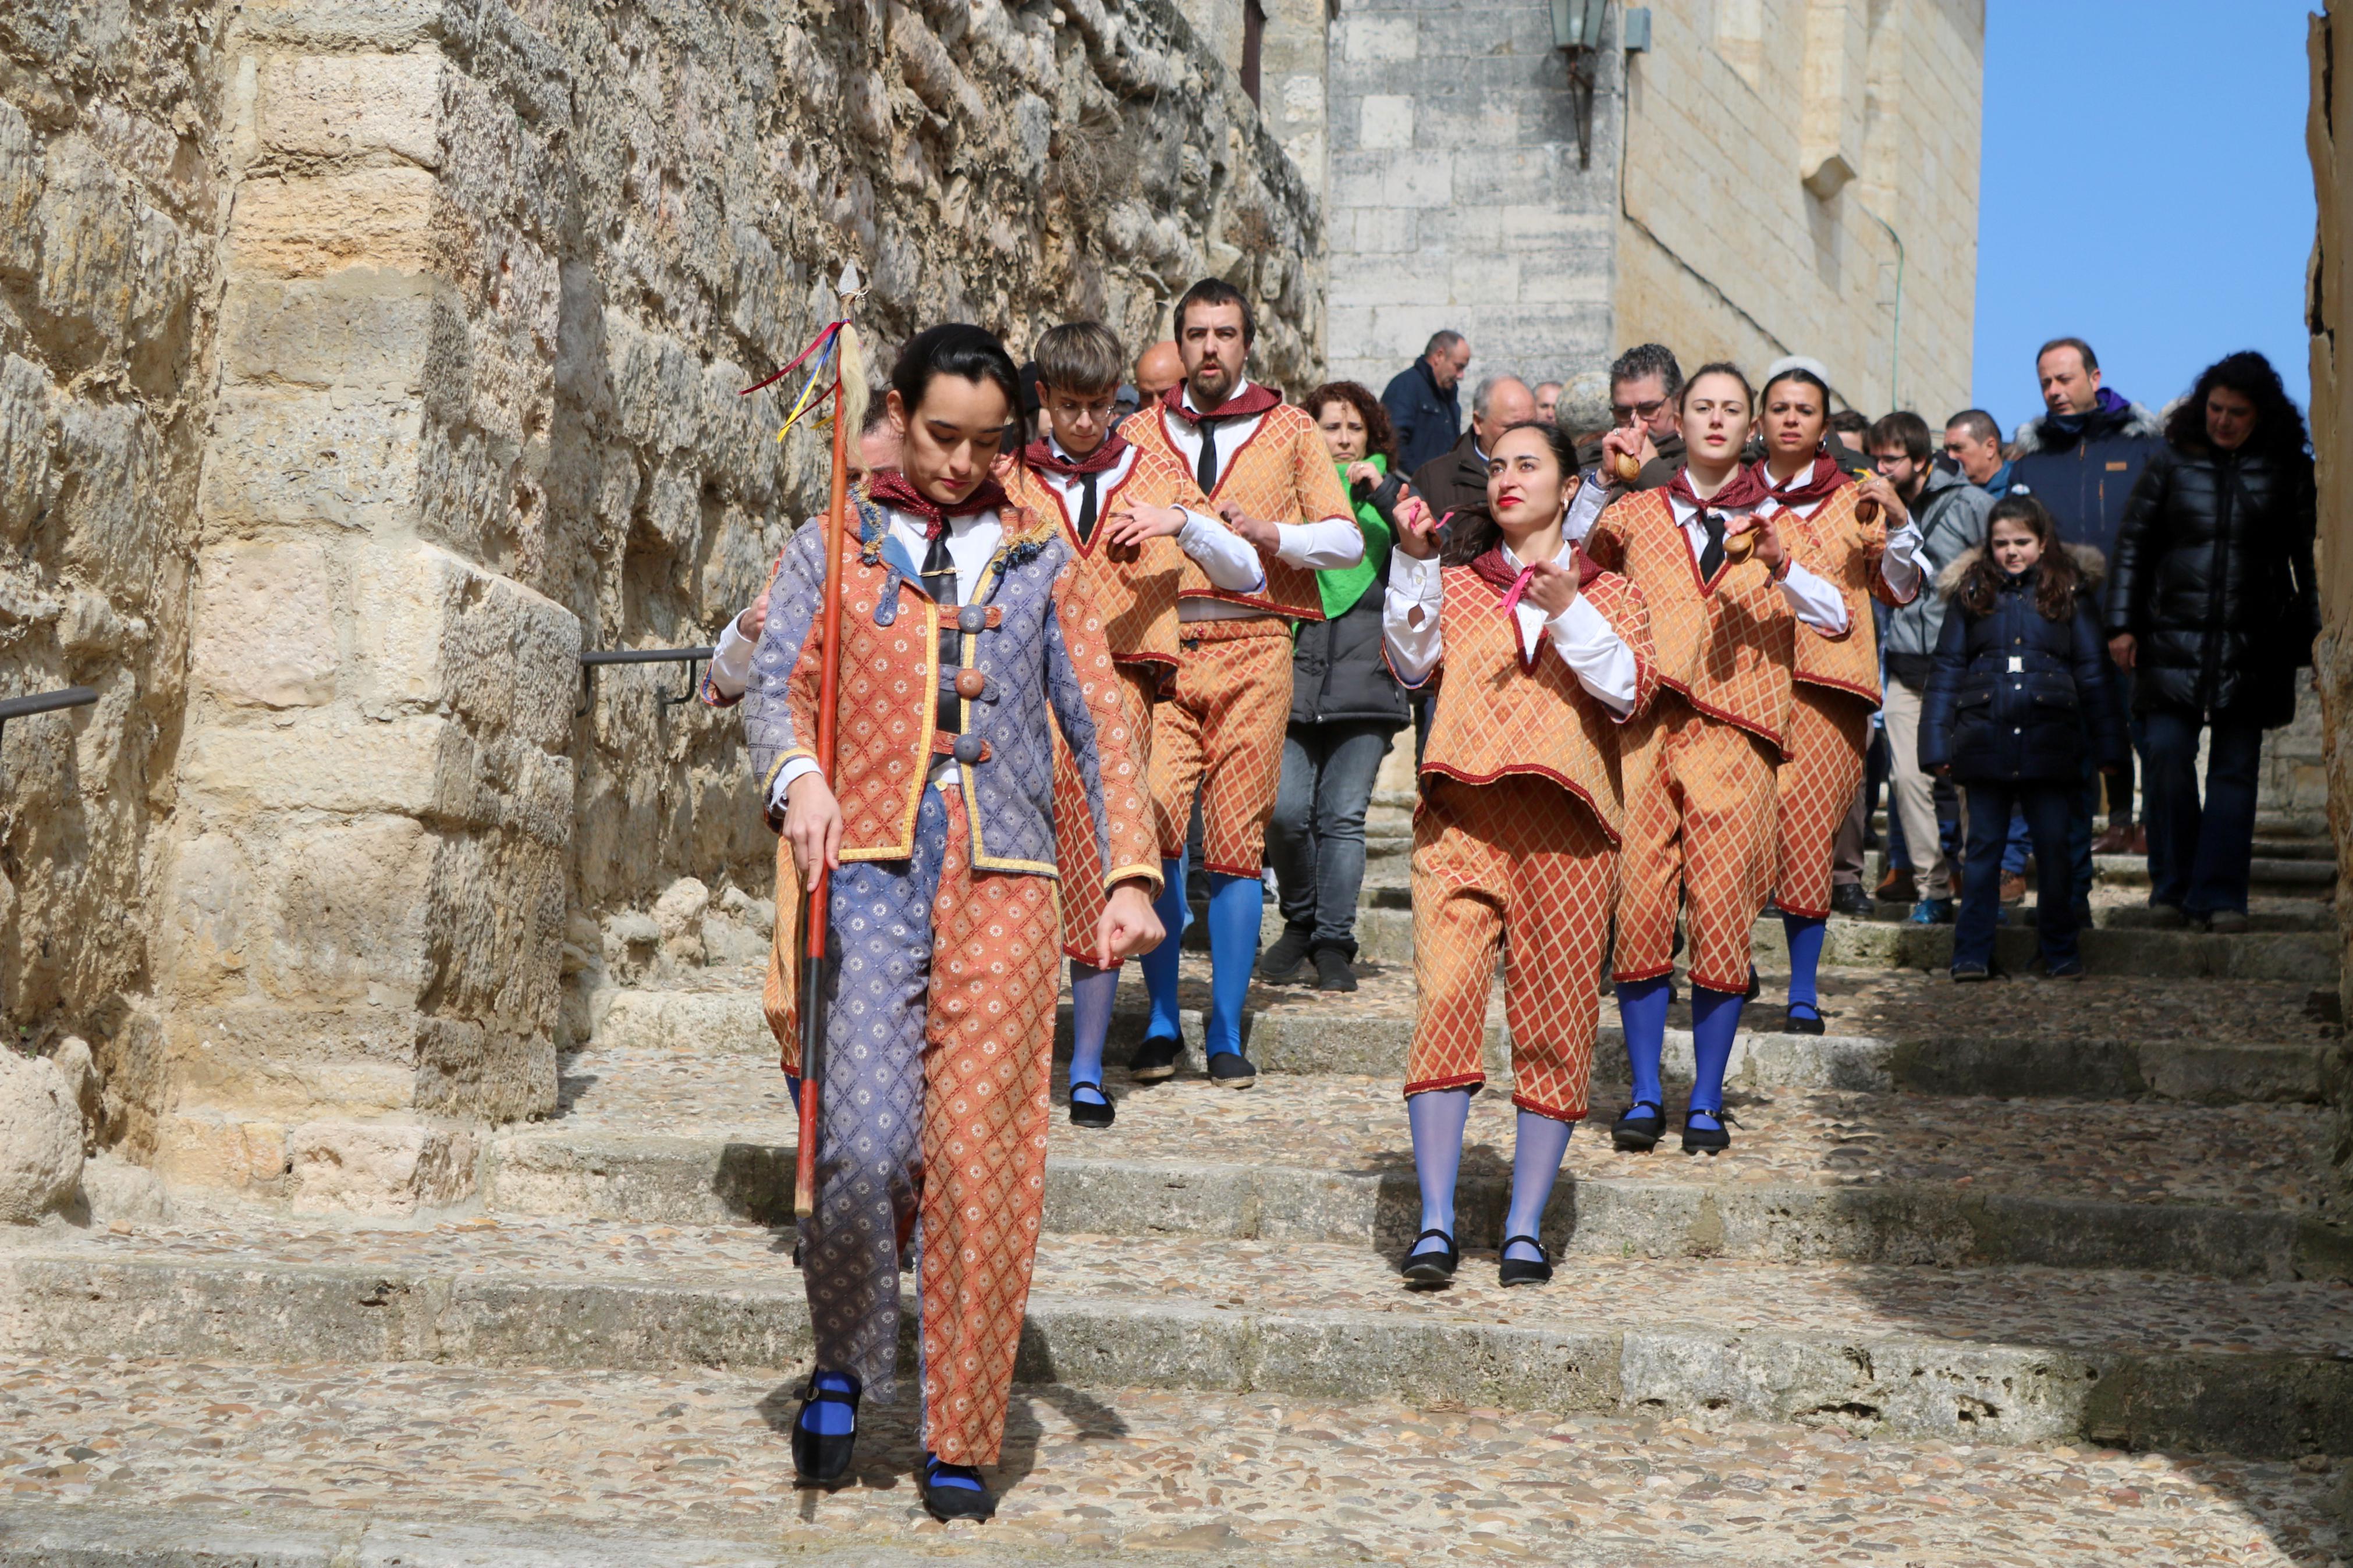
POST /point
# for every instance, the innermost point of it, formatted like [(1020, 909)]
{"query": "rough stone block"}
[(381, 1167), (40, 1138), (331, 759), (1422, 179), (335, 25), (1384, 120), (348, 105), (288, 456), (1367, 40), (88, 234), (265, 624), (364, 329), (310, 227), (208, 1148), (436, 631), (26, 431)]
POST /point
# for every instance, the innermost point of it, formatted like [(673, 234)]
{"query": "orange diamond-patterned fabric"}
[(1497, 715), (1699, 834), (1221, 733), (1136, 598), (1283, 473), (1523, 865), (1085, 890), (1725, 644), (1830, 731), (1845, 550), (987, 1072)]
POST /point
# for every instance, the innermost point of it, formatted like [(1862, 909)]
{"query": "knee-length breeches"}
[(939, 1043), (1220, 732), (1699, 830), (1821, 772), (1521, 863), (1076, 856)]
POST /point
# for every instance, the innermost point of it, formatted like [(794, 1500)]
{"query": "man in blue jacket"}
[(1421, 400), (2081, 459)]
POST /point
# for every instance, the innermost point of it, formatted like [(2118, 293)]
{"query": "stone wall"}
[(486, 280), (1762, 137)]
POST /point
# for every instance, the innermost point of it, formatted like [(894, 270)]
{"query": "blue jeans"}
[(2048, 806), (2204, 868), (1315, 840)]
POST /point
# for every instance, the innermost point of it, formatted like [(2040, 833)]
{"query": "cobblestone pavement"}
[(2247, 1156), (2084, 1310), (1218, 1478)]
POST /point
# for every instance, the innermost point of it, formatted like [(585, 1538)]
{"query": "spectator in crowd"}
[(1422, 404), (1644, 384), (1548, 401), (2020, 688), (1973, 450), (1346, 706), (1951, 514), (2081, 458), (1459, 479), (1851, 427), (1158, 369), (2211, 605), (1583, 410)]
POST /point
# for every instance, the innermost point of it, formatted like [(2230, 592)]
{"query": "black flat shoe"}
[(1639, 1134), (1520, 1270), (1155, 1059), (1756, 987), (821, 1456), (947, 1501), (1283, 961), (1231, 1069), (1793, 1023), (1432, 1267), (1092, 1112), (1709, 1140), (1333, 970)]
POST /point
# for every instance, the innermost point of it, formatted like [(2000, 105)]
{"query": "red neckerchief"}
[(1045, 456), (1743, 492), (1256, 399), (1498, 573), (1826, 480), (889, 487)]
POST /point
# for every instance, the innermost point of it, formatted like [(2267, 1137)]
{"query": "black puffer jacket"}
[(1338, 673), (2014, 694), (2213, 579)]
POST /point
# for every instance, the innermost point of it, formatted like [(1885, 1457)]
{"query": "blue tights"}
[(1438, 1118), (1236, 906), (1805, 933)]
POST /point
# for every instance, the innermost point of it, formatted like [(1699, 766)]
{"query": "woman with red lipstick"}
[(1539, 657)]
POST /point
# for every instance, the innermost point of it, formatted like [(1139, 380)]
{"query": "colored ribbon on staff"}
[(823, 347)]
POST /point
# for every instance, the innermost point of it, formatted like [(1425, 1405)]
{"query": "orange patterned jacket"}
[(1136, 600), (1726, 645), (1847, 552), (1283, 473)]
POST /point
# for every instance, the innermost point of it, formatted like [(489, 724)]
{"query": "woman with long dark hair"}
[(1345, 707), (2213, 605)]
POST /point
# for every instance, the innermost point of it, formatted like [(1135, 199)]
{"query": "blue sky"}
[(2146, 187)]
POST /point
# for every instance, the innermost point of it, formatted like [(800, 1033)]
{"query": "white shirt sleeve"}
[(1409, 616), (731, 662), (1900, 566), (1814, 600), (1585, 508), (1324, 546), (799, 768), (1602, 662), (1226, 557)]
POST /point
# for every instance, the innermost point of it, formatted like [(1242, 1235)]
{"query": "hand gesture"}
[(1624, 449), (2125, 648), (1552, 588), (1874, 487), (1127, 927), (1417, 528), (1261, 534), (1363, 473), (753, 620), (1766, 542), (813, 824), (1126, 530)]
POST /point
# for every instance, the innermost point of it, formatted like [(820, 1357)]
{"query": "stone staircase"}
[(2061, 1271)]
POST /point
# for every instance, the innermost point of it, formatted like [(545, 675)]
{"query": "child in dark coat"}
[(2016, 695)]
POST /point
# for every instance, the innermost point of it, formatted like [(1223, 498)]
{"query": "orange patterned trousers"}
[(1522, 864), (1821, 770), (1076, 854), (1699, 829), (1221, 733)]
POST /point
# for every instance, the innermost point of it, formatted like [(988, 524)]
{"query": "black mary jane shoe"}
[(1431, 1267), (1710, 1141), (945, 1502), (824, 1458), (1092, 1112), (1795, 1023), (1635, 1134), (1521, 1270)]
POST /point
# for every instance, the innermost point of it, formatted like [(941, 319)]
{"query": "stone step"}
[(2309, 875), (2000, 1356), (1331, 1037), (460, 1467), (1871, 1178)]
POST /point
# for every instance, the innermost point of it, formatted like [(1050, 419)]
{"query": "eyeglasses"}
[(1102, 410), (1627, 413)]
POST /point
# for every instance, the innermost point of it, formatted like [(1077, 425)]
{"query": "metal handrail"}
[(44, 702), (594, 659)]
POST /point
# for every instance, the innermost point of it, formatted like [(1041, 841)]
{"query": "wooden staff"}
[(847, 388)]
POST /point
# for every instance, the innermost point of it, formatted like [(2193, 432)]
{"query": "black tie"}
[(1205, 471), (940, 583), (1710, 557), (1087, 508)]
